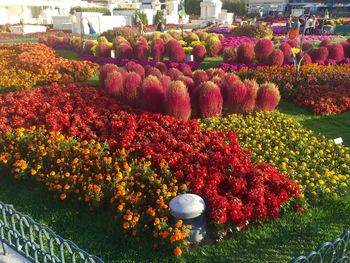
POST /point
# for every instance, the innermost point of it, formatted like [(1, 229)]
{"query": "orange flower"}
[(177, 251)]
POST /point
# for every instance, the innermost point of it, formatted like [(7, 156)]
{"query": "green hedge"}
[(103, 10), (238, 7), (192, 7)]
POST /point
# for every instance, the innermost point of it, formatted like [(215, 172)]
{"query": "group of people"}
[(310, 24)]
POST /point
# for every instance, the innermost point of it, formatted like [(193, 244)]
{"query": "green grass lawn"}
[(278, 241), (96, 232)]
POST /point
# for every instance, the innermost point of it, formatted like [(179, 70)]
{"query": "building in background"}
[(336, 7), (267, 7)]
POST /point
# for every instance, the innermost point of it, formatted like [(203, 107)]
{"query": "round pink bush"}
[(320, 54), (88, 46), (141, 50), (174, 73), (124, 50), (188, 82), (200, 76), (131, 66), (212, 72), (199, 53), (162, 67), (131, 92), (229, 55), (235, 95), (325, 42), (263, 48), (287, 52), (276, 58), (346, 48), (185, 69), (158, 49), (103, 50), (245, 53), (153, 71), (175, 51), (248, 104), (165, 81), (336, 52), (153, 95), (268, 97), (114, 84), (293, 43), (306, 60), (210, 100), (104, 70), (306, 46), (177, 101)]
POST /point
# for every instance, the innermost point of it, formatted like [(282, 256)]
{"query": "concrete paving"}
[(11, 256)]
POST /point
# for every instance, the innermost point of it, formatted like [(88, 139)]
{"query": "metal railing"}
[(37, 243), (335, 251)]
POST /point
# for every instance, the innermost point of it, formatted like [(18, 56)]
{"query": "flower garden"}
[(243, 135)]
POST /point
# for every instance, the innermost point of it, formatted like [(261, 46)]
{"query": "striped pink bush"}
[(132, 89), (210, 100), (249, 101), (177, 101), (104, 70), (153, 95), (268, 97), (263, 48), (114, 84)]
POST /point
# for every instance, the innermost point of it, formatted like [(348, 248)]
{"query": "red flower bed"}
[(325, 99), (211, 162)]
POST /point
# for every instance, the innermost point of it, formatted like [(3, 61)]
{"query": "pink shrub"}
[(325, 42), (188, 82), (248, 104), (306, 60), (306, 46), (103, 50), (268, 97), (213, 45), (153, 71), (287, 52), (175, 51), (217, 80), (336, 52), (174, 73), (137, 68), (210, 100), (293, 43), (124, 50), (346, 48), (245, 53), (158, 49), (212, 72), (235, 95), (165, 81), (131, 92), (162, 67), (276, 58), (185, 69), (320, 54), (199, 53), (263, 48), (229, 55), (104, 70), (228, 80), (141, 50), (177, 101), (153, 95), (200, 76), (114, 84)]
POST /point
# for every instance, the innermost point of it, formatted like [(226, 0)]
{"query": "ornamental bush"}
[(229, 55), (114, 84), (141, 50), (336, 52), (200, 76), (268, 97), (325, 42), (210, 100), (199, 53), (245, 53), (175, 51), (132, 89), (252, 88), (104, 70), (263, 48), (213, 45), (158, 49), (177, 101), (153, 95), (235, 95), (287, 52), (124, 50), (276, 58), (319, 54)]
